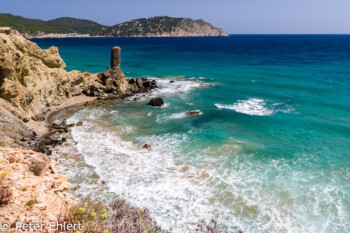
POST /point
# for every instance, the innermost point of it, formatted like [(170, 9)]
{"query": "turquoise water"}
[(270, 153)]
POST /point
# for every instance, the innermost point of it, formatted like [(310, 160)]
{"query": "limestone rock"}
[(33, 80), (115, 57)]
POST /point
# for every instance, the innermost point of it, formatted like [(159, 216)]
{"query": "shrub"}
[(30, 202), (37, 167), (119, 218), (5, 195)]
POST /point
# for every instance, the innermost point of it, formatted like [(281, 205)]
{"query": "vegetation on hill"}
[(144, 25), (154, 26), (24, 25), (80, 26)]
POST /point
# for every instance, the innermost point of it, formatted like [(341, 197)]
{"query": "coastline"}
[(33, 139), (153, 36)]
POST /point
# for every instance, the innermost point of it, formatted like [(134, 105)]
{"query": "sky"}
[(234, 16)]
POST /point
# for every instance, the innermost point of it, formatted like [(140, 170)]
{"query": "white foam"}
[(255, 107), (166, 88), (270, 195), (165, 117), (251, 107)]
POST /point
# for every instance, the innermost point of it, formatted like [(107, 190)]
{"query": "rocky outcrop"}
[(33, 81), (36, 197)]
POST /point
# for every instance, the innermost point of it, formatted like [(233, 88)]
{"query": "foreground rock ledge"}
[(48, 191)]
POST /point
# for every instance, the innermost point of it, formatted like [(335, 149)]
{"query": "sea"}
[(269, 153)]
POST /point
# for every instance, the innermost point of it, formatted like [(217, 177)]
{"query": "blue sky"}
[(234, 16)]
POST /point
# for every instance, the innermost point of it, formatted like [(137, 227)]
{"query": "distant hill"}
[(72, 25), (160, 26)]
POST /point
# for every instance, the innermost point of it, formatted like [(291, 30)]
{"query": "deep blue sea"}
[(270, 152)]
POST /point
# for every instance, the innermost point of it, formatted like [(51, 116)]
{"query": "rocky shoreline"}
[(34, 86)]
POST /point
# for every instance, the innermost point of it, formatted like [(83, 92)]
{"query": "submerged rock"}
[(156, 102)]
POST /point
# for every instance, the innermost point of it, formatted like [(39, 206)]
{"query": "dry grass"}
[(119, 217)]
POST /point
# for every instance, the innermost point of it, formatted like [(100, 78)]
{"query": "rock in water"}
[(115, 57), (195, 113), (147, 146), (156, 102)]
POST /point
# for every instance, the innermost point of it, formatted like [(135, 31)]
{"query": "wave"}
[(224, 181), (255, 107), (165, 117), (169, 88)]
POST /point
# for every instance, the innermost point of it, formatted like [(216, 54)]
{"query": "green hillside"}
[(144, 25), (80, 26), (154, 26), (24, 25)]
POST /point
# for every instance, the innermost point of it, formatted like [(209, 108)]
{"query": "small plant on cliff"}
[(5, 195), (37, 167), (5, 192), (30, 203)]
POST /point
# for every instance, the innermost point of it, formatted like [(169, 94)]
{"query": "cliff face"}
[(34, 80)]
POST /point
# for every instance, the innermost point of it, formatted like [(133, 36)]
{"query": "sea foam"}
[(255, 107)]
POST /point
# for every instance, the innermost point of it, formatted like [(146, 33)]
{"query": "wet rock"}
[(139, 82), (195, 113), (80, 123), (156, 102), (131, 81), (147, 83), (172, 81), (147, 146)]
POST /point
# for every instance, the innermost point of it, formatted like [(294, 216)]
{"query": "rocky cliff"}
[(33, 81)]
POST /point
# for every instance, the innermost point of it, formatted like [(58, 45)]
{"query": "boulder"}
[(139, 82), (156, 102), (131, 81), (147, 83)]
